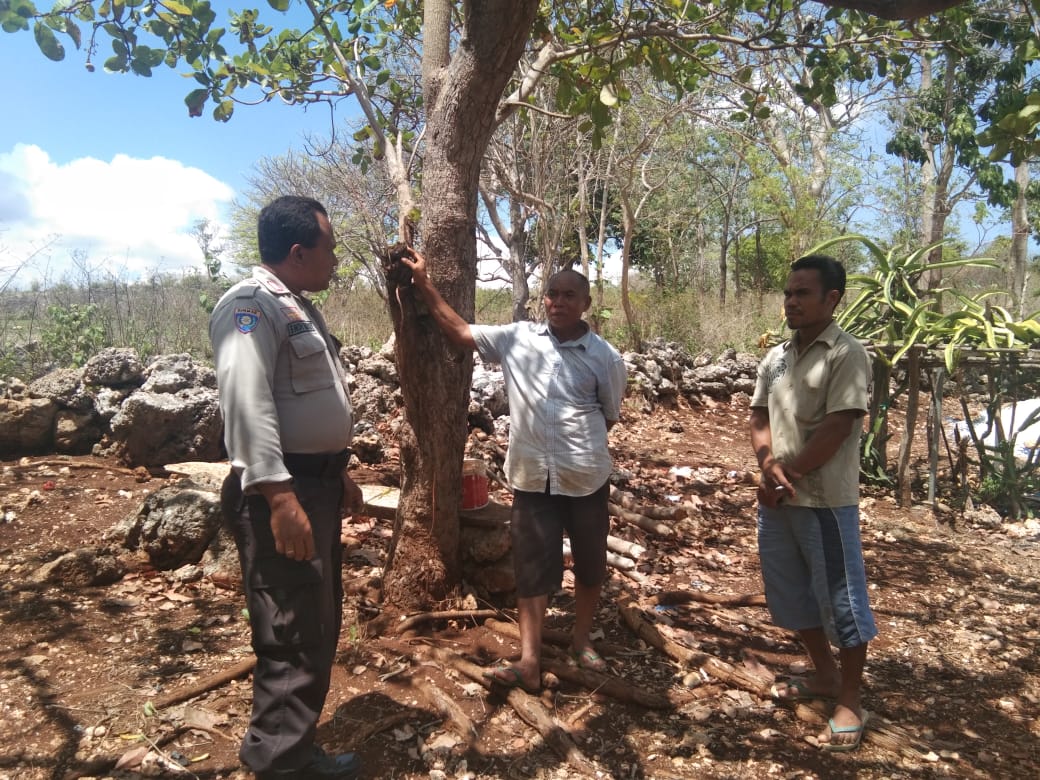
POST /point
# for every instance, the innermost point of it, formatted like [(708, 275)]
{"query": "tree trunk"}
[(423, 565), (628, 219), (1016, 271)]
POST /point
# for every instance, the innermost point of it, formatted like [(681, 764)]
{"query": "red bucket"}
[(474, 484)]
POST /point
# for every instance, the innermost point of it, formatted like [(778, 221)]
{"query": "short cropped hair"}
[(832, 273), (583, 281), (288, 220)]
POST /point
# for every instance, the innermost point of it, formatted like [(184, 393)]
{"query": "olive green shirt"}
[(799, 389)]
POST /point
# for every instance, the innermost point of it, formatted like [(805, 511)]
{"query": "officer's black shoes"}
[(345, 766)]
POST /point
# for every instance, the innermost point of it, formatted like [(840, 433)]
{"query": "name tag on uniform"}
[(246, 320), (295, 328)]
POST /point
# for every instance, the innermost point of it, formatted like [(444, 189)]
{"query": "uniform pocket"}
[(309, 369), (284, 604)]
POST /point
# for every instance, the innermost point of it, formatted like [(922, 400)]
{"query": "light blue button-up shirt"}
[(561, 396)]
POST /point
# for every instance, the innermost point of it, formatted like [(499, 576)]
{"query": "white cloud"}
[(129, 217)]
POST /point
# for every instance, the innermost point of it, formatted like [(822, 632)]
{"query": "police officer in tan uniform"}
[(287, 427)]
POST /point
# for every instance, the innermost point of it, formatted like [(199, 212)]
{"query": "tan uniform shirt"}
[(799, 389), (282, 385)]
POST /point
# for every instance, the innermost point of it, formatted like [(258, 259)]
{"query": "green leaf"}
[(48, 42), (73, 32), (279, 5), (607, 96), (115, 64), (195, 101), (224, 110), (178, 8)]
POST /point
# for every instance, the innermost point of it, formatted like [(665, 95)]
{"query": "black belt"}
[(326, 465)]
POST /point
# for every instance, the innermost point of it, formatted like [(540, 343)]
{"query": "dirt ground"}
[(953, 681)]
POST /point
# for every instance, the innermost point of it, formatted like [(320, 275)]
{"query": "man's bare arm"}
[(454, 328)]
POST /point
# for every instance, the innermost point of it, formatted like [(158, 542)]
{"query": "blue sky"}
[(113, 166)]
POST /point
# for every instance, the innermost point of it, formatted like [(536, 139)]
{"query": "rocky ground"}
[(953, 683)]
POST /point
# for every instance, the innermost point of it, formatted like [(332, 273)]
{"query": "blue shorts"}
[(812, 566)]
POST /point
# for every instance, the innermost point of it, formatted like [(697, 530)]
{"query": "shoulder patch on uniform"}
[(246, 319), (273, 284), (292, 314), (303, 326)]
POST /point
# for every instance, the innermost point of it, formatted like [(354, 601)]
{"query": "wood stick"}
[(608, 685), (448, 707), (356, 738), (708, 663), (613, 559), (450, 614), (624, 547), (670, 597), (551, 637), (642, 521), (241, 669), (627, 501), (77, 465), (530, 710)]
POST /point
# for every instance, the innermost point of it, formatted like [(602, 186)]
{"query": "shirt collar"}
[(828, 336), (269, 281), (582, 342)]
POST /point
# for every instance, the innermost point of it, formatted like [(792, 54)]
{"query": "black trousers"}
[(295, 613)]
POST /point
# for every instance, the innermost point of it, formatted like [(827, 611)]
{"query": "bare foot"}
[(802, 688), (515, 677)]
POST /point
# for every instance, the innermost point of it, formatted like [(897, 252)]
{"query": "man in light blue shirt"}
[(565, 386)]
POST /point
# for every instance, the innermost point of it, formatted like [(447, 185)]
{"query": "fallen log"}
[(709, 664), (625, 547), (627, 501), (642, 521), (240, 669), (530, 710), (613, 559), (672, 597)]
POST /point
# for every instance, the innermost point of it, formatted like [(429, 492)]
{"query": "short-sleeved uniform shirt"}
[(799, 389), (282, 385), (561, 395)]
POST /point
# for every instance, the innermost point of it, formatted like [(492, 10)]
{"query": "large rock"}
[(153, 429), (81, 568), (26, 427), (65, 387), (173, 373), (114, 367), (76, 433), (174, 526)]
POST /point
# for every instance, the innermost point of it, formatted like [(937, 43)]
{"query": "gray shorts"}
[(537, 526), (812, 566)]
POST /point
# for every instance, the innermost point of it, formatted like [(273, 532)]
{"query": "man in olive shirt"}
[(810, 397), (287, 427)]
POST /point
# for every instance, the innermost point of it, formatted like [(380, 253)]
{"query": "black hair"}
[(832, 273), (288, 220), (586, 288)]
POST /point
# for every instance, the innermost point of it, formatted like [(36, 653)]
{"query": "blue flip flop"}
[(846, 747)]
